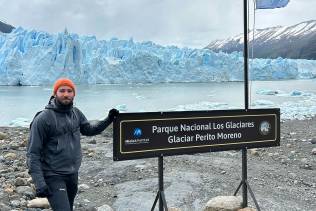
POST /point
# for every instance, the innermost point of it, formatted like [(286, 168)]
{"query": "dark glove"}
[(113, 113), (43, 192)]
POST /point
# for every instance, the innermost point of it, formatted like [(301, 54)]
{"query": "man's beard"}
[(65, 101)]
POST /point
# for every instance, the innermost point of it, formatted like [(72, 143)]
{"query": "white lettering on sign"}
[(195, 127), (228, 135), (239, 124), (168, 129), (178, 139), (206, 137)]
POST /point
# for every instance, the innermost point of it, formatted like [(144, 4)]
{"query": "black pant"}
[(64, 189)]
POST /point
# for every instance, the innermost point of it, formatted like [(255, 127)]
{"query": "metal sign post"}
[(160, 195), (244, 183)]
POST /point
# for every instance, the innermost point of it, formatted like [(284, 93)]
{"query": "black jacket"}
[(54, 145)]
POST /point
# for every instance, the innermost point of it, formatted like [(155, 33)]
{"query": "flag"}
[(271, 4)]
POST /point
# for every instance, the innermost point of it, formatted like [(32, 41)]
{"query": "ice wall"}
[(29, 57)]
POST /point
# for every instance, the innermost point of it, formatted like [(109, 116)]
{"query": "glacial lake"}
[(296, 98)]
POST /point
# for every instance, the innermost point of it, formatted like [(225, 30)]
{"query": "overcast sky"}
[(192, 23)]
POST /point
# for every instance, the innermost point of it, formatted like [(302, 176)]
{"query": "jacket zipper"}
[(71, 142)]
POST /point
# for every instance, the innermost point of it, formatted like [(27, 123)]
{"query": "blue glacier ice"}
[(30, 57)]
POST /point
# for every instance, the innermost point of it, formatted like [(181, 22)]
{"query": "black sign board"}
[(141, 135)]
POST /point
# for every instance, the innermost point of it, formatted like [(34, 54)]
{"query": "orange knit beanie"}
[(64, 82)]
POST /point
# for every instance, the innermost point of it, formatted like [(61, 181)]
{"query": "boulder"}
[(254, 152), (247, 209), (10, 156), (3, 136), (224, 203), (25, 190), (38, 203)]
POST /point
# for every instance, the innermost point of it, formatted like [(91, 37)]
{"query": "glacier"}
[(30, 57)]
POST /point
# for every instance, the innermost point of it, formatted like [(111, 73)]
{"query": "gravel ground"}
[(282, 178)]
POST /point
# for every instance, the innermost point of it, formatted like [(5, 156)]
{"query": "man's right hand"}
[(43, 192), (113, 113)]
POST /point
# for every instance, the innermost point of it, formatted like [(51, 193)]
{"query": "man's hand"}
[(113, 113), (43, 192)]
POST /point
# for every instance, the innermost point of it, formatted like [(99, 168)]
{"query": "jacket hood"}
[(56, 106)]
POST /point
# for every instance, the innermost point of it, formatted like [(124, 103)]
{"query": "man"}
[(54, 150)]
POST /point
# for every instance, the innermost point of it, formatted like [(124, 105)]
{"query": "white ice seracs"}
[(29, 57)]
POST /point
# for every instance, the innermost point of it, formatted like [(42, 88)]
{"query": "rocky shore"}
[(282, 178)]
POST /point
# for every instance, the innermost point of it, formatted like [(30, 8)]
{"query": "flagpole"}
[(244, 150)]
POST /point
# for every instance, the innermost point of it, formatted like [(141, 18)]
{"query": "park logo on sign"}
[(137, 134), (265, 128)]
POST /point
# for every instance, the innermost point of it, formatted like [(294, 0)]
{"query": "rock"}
[(10, 156), (3, 136), (4, 207), (29, 180), (23, 202), (91, 154), (304, 160), (173, 209), (23, 143), (93, 141), (9, 190), (38, 203), (14, 146), (25, 190), (91, 151), (23, 174), (105, 208), (140, 166), (83, 187), (89, 208), (86, 201), (314, 151), (224, 203), (15, 203), (254, 152), (4, 171), (20, 181), (313, 141), (306, 166), (247, 209)]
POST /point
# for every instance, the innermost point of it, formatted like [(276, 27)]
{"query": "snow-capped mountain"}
[(296, 42), (5, 28)]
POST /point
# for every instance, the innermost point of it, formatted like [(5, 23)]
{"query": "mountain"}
[(295, 42), (5, 28), (30, 57)]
